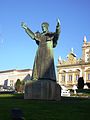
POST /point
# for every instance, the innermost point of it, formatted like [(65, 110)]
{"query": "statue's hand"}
[(24, 25), (58, 22)]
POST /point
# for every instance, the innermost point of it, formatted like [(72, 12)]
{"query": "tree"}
[(22, 86), (80, 83), (18, 85)]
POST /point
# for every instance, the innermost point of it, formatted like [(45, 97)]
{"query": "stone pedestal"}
[(43, 90)]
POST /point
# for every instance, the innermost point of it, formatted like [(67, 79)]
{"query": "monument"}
[(43, 85)]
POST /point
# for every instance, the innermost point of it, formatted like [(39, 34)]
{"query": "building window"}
[(70, 77), (77, 76), (11, 83), (63, 78), (89, 76)]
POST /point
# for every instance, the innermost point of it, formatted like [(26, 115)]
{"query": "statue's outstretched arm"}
[(57, 33), (28, 31), (58, 27)]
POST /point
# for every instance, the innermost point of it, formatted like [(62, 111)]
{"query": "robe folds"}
[(43, 67)]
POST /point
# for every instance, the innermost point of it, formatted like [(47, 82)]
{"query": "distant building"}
[(69, 70), (9, 77)]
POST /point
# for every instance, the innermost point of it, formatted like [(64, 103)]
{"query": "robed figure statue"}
[(43, 68)]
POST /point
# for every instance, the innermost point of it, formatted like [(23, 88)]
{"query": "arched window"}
[(88, 76)]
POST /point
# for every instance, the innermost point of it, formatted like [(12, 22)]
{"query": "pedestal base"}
[(43, 90)]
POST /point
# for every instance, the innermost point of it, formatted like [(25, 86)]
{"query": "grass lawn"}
[(66, 109)]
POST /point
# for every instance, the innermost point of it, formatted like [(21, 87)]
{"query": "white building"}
[(9, 77)]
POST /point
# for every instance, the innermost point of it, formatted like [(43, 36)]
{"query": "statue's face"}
[(44, 28)]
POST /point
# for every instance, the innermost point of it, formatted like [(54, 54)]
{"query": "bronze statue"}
[(43, 67)]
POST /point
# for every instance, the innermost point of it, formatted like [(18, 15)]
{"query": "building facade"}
[(8, 78), (69, 70)]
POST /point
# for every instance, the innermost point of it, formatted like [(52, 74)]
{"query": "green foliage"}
[(19, 85), (88, 84), (85, 91), (80, 83)]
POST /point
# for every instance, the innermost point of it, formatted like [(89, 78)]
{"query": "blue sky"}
[(17, 49)]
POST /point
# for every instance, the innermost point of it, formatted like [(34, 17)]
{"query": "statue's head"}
[(44, 26)]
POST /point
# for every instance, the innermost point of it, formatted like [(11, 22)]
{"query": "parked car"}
[(64, 91)]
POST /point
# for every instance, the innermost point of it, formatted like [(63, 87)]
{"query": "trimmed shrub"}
[(80, 83)]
